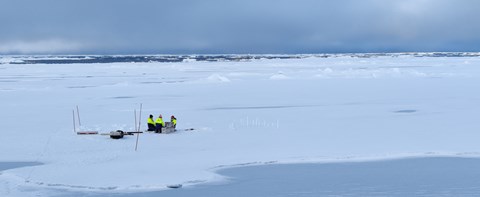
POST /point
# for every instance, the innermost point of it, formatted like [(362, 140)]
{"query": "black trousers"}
[(151, 127), (159, 128)]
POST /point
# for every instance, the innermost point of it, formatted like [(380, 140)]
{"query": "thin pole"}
[(74, 129), (140, 117), (78, 115), (139, 123), (135, 113), (136, 144)]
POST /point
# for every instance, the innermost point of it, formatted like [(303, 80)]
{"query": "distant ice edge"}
[(348, 159), (146, 58)]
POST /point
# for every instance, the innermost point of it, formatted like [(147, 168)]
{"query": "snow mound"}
[(279, 76), (217, 78)]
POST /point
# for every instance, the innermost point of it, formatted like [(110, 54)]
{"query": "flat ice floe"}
[(338, 108)]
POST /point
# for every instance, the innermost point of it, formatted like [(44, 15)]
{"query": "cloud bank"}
[(40, 47), (238, 26)]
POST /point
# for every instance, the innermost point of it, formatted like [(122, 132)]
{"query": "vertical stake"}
[(139, 123), (74, 129), (140, 117), (78, 116), (136, 143), (135, 114)]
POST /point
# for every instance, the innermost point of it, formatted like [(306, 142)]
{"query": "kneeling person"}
[(151, 123), (174, 121), (159, 124)]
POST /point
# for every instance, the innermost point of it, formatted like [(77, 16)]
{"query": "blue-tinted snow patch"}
[(12, 165), (122, 97), (406, 111)]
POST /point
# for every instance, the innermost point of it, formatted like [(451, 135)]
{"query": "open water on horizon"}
[(95, 59)]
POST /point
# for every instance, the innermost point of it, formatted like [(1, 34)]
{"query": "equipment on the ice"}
[(118, 134), (87, 132), (169, 128), (77, 118)]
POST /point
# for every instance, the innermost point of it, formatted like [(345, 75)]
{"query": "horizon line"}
[(215, 54)]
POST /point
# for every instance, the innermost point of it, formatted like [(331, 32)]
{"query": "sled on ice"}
[(168, 128)]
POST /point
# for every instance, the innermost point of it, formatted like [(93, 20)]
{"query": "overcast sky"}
[(237, 26)]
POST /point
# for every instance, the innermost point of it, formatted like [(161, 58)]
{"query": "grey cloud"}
[(241, 26)]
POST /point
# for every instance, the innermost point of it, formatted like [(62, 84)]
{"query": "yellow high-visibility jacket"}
[(150, 121), (159, 121)]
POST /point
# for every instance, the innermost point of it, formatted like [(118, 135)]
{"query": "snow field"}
[(255, 112)]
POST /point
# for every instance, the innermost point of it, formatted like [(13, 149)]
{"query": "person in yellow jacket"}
[(174, 121), (159, 124), (151, 123)]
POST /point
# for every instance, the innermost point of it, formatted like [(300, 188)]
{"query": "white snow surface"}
[(322, 110)]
